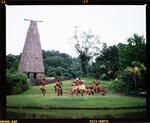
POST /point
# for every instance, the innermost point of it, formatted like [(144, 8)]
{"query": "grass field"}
[(67, 106), (32, 98), (101, 102)]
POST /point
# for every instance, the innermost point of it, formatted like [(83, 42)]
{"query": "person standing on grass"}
[(97, 86), (97, 83), (56, 85), (80, 82), (43, 87), (60, 85), (91, 89), (58, 88)]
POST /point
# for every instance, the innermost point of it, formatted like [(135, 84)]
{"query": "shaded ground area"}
[(73, 114)]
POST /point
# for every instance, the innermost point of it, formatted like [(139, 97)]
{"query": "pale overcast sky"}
[(113, 24)]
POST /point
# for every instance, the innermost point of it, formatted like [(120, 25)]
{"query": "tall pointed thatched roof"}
[(31, 59)]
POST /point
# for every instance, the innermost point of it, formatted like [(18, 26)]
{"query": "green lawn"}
[(109, 101), (32, 98)]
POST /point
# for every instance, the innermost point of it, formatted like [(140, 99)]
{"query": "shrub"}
[(16, 82), (131, 80), (124, 84), (16, 89), (116, 86)]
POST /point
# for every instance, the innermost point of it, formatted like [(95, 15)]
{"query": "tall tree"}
[(134, 50), (86, 45), (106, 63)]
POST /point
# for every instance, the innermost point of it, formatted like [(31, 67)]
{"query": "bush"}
[(127, 78), (26, 85), (131, 80), (116, 86), (16, 89), (124, 84), (16, 82)]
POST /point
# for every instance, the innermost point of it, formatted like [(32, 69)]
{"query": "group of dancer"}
[(78, 87)]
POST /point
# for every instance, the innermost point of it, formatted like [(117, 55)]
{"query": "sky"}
[(113, 24)]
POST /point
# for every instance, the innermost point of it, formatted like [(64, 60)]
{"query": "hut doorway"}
[(34, 75), (28, 74)]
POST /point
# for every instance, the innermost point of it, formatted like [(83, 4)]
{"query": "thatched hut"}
[(31, 59)]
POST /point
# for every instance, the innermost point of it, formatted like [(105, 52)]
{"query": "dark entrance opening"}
[(28, 74), (34, 76)]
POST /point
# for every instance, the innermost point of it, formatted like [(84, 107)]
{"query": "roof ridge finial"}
[(33, 20)]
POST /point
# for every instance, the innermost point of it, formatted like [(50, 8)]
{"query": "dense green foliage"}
[(131, 80), (61, 65), (116, 58), (12, 62), (125, 63), (106, 65), (16, 83), (134, 50)]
